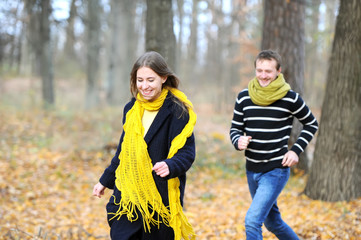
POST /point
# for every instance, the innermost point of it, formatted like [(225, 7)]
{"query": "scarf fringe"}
[(179, 222), (148, 213)]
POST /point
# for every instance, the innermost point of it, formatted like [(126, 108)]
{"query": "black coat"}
[(168, 123)]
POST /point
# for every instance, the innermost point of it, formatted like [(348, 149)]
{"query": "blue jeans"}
[(265, 189)]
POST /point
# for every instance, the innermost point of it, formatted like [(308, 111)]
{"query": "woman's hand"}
[(243, 142), (98, 190), (161, 169)]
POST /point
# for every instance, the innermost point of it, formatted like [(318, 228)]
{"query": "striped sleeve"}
[(237, 124), (309, 122)]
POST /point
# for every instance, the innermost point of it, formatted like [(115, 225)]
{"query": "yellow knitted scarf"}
[(265, 96), (134, 174)]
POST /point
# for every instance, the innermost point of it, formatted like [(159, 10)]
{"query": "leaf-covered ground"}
[(49, 163)]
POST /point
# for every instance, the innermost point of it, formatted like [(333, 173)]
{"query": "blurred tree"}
[(192, 61), (312, 50), (331, 8), (159, 34), (46, 58), (216, 39), (319, 28), (93, 52), (10, 39), (233, 46), (221, 70), (121, 50), (70, 33), (284, 31), (335, 173), (32, 33), (179, 55), (38, 32), (39, 38)]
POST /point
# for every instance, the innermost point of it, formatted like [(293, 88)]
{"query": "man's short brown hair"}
[(269, 55)]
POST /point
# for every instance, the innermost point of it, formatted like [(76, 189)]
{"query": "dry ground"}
[(49, 162)]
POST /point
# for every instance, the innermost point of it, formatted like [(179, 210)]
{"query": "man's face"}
[(266, 71)]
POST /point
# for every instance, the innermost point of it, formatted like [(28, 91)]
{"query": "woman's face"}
[(149, 84)]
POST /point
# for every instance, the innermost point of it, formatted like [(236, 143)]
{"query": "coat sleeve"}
[(184, 158), (108, 177)]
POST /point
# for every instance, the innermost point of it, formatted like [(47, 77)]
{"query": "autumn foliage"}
[(49, 162)]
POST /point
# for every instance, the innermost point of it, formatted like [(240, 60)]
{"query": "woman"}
[(156, 148)]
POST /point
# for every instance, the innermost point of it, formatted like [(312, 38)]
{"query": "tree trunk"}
[(33, 35), (121, 56), (191, 71), (313, 51), (179, 56), (159, 30), (93, 41), (236, 27), (214, 73), (335, 173), (70, 35), (46, 55), (284, 31)]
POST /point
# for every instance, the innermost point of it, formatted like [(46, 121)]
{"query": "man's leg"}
[(253, 227), (278, 227), (264, 189)]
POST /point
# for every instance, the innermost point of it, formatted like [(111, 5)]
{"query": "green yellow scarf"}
[(134, 174), (265, 96)]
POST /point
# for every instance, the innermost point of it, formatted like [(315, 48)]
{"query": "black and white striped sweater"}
[(270, 127)]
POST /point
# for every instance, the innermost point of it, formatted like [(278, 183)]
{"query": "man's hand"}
[(290, 159), (98, 190), (243, 142), (161, 169)]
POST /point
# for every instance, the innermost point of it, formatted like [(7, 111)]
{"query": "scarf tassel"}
[(148, 214)]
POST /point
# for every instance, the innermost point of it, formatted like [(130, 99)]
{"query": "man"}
[(261, 125)]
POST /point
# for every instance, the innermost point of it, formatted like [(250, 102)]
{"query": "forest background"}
[(64, 79)]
